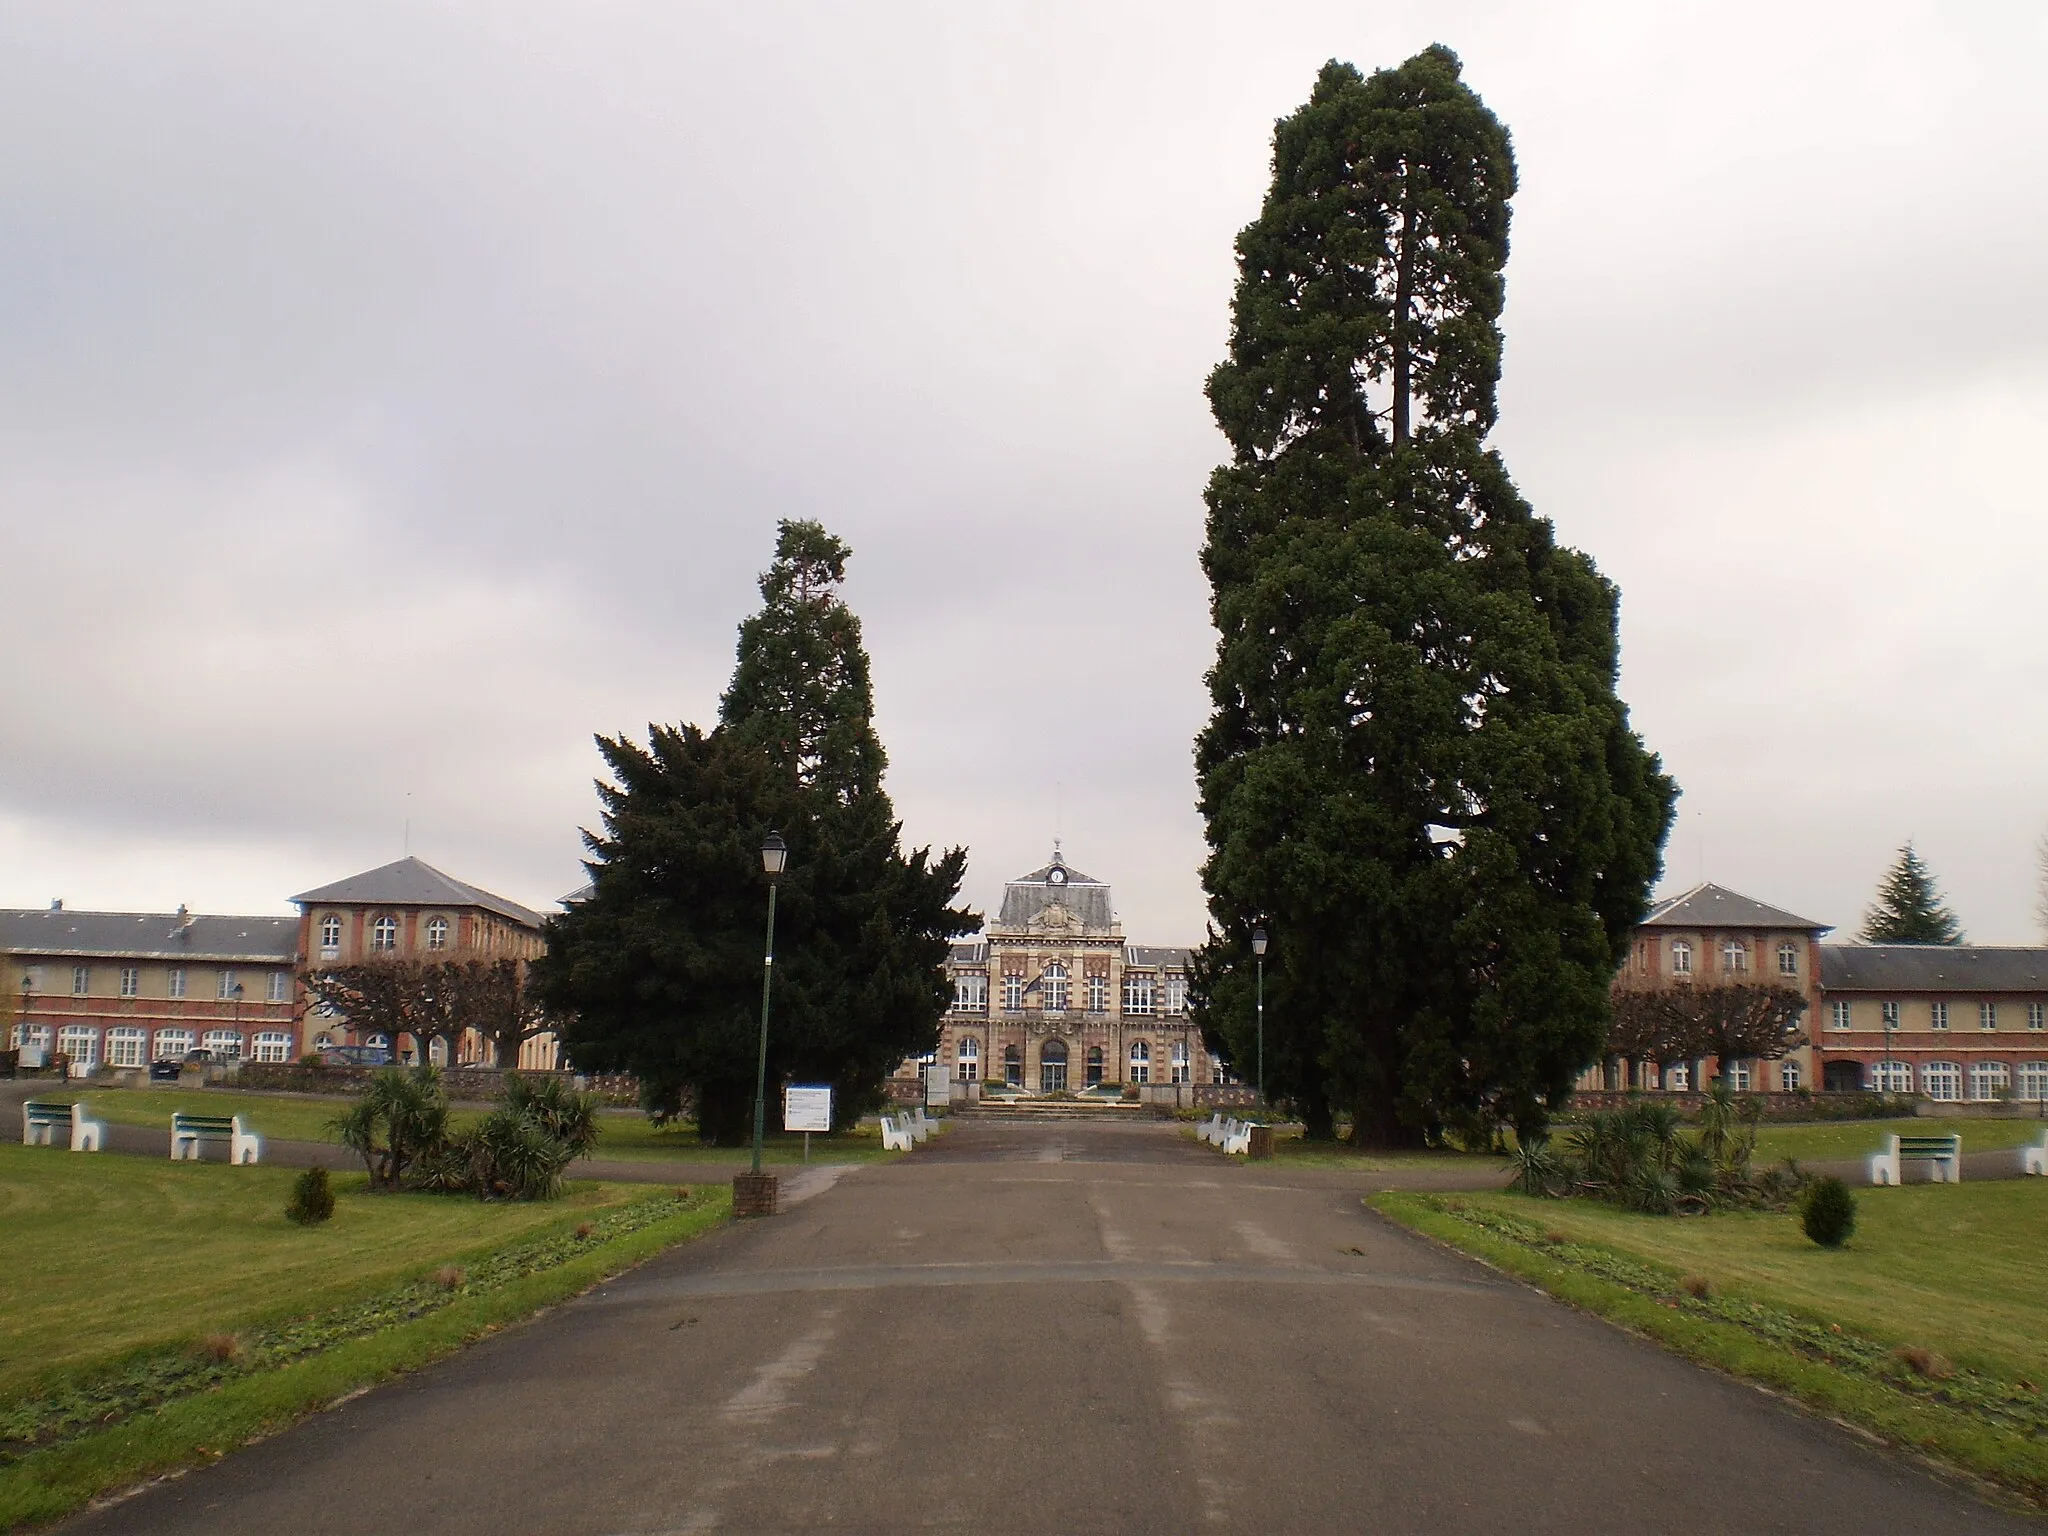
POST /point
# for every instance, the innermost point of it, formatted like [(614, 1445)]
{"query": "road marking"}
[(1263, 1243), (769, 1392)]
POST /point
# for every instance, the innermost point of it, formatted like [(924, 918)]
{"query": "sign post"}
[(807, 1108)]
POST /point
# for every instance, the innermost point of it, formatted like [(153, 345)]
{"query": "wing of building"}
[(1051, 999), (1954, 1023)]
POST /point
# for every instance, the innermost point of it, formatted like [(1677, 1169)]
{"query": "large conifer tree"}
[(659, 966), (1417, 774), (1909, 908)]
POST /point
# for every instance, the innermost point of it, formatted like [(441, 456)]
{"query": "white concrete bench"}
[(188, 1131), (1945, 1153), (920, 1125), (1240, 1138), (2034, 1159), (896, 1138), (41, 1121), (1211, 1130)]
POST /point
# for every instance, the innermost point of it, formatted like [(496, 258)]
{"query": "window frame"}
[(437, 931), (124, 1041), (1937, 1015), (1139, 1061), (1788, 958), (81, 981), (186, 1039), (270, 1045), (1938, 1075), (1987, 1015), (1840, 1014), (384, 935), (174, 981), (1052, 985), (330, 936), (1681, 957), (1981, 1074)]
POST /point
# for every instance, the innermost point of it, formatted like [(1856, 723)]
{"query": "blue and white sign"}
[(806, 1108)]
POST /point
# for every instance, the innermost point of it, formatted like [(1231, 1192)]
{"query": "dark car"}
[(164, 1071)]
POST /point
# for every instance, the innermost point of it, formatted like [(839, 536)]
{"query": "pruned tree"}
[(395, 996), (493, 998), (1418, 774), (658, 970), (1736, 1022), (1909, 908)]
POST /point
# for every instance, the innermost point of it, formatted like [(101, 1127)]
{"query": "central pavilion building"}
[(1052, 999)]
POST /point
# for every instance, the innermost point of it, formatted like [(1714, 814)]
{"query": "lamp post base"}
[(754, 1194)]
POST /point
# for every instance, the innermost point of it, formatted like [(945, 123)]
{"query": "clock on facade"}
[(1057, 876)]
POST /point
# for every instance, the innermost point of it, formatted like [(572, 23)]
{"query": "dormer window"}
[(437, 933), (384, 935)]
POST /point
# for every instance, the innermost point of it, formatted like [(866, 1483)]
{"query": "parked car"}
[(165, 1071)]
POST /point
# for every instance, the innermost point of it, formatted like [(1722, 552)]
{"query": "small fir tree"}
[(1909, 909), (312, 1200)]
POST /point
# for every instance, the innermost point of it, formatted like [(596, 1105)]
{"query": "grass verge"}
[(179, 1409), (1988, 1422)]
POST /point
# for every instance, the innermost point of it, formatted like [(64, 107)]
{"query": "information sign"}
[(806, 1109)]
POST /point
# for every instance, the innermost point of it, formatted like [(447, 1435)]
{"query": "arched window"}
[(384, 934), (1942, 1081), (1013, 1065), (124, 1045), (1734, 957), (1055, 980), (1052, 1066), (1788, 959), (172, 1044), (2033, 1081), (1988, 1079), (330, 937), (1094, 1065), (80, 1042), (1740, 1075), (1681, 958), (1141, 1062), (273, 1045), (967, 1059), (1788, 1077), (437, 933), (1893, 1076), (223, 1044)]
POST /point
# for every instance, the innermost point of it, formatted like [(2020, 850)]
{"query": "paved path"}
[(1070, 1329)]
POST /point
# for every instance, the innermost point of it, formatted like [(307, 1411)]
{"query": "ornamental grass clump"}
[(312, 1200), (1827, 1213), (1640, 1158)]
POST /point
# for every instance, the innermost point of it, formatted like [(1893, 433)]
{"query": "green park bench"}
[(188, 1132), (41, 1120), (1944, 1152)]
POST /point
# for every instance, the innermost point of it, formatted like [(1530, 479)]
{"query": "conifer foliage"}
[(658, 968), (1417, 774), (1909, 908)]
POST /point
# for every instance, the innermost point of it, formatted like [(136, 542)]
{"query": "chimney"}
[(56, 903)]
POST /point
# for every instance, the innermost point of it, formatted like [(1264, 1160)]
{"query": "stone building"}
[(1052, 999), (124, 989), (411, 910)]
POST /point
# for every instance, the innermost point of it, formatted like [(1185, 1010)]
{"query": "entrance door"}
[(1052, 1067)]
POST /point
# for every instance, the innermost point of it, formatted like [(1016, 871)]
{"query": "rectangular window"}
[(32, 979), (1098, 994), (1987, 1015), (1013, 992), (273, 1045), (1176, 993), (81, 980), (1138, 992), (1788, 1077), (1788, 960), (970, 992), (1891, 1015), (229, 987), (1939, 1018), (1740, 1077), (1681, 958), (2037, 1016), (280, 987), (174, 981), (1838, 1013), (131, 986)]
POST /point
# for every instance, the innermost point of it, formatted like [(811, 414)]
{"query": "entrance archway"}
[(1052, 1066)]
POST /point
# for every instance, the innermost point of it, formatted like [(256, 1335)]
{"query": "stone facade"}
[(1052, 999)]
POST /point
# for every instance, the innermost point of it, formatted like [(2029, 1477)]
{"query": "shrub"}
[(449, 1277), (1699, 1287), (1828, 1213), (312, 1200), (224, 1347), (1923, 1362)]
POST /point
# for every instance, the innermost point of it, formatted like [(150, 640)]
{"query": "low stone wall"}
[(482, 1085)]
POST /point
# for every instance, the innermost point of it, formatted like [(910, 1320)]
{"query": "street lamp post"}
[(1259, 960), (1891, 1023), (774, 855)]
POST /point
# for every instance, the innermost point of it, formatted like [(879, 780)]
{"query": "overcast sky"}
[(392, 396)]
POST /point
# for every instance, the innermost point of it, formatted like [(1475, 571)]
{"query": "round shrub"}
[(1828, 1213), (312, 1200)]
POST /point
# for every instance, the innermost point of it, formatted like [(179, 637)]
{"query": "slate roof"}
[(1715, 906), (149, 935), (1152, 955), (970, 954), (1932, 968), (1083, 895), (414, 883)]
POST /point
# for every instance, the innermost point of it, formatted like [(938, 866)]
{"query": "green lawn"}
[(1834, 1141), (105, 1253), (1956, 1268)]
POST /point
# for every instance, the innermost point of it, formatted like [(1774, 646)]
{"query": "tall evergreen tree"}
[(659, 966), (1909, 909), (1417, 774)]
